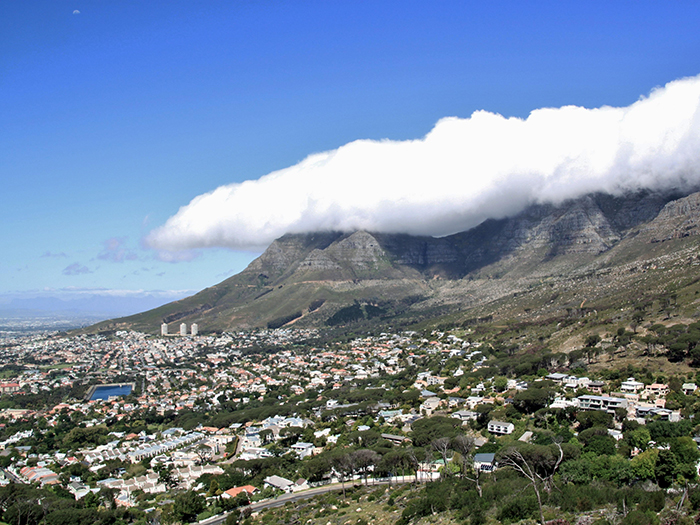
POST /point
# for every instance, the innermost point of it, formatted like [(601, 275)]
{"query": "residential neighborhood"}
[(246, 416)]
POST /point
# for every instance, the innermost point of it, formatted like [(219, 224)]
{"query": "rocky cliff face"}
[(495, 259), (679, 218), (590, 225)]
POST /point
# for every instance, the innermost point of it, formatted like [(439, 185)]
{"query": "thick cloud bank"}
[(462, 172)]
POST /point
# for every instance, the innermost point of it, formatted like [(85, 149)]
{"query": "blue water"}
[(104, 392)]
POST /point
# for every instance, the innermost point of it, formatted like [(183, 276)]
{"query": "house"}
[(663, 414), (485, 462), (596, 387), (300, 484), (499, 427), (430, 405), (656, 389), (455, 401), (615, 434), (689, 388), (563, 403), (605, 403), (78, 489), (631, 386), (40, 475), (526, 437), (557, 377), (396, 440), (303, 450), (473, 401), (574, 383), (464, 415), (279, 483), (7, 388), (235, 491)]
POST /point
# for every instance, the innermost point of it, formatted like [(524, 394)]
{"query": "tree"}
[(203, 452), (213, 487), (187, 505), (592, 340), (500, 383), (465, 446), (537, 464), (532, 399), (442, 447), (91, 500), (344, 466), (666, 468), (644, 464), (594, 418), (166, 476), (427, 429), (266, 436), (639, 438), (365, 460)]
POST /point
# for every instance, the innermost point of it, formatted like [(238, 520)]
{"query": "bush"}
[(637, 517), (518, 509)]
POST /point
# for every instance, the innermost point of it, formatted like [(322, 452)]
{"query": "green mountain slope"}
[(547, 259)]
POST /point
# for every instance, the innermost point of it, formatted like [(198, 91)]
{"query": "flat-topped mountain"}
[(331, 278)]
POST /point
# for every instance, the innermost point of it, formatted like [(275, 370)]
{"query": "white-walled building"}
[(499, 427), (183, 329), (164, 329)]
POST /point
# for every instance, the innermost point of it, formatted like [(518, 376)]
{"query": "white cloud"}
[(461, 173)]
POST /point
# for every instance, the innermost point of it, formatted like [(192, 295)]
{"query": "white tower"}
[(164, 329), (194, 329), (183, 329)]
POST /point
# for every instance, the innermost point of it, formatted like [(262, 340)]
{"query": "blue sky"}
[(113, 115)]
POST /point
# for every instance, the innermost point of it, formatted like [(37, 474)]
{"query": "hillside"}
[(592, 253)]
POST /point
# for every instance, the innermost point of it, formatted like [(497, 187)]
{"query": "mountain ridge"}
[(415, 277)]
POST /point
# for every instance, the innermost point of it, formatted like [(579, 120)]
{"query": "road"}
[(12, 477), (296, 496)]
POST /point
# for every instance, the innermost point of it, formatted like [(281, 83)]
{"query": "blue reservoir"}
[(105, 392)]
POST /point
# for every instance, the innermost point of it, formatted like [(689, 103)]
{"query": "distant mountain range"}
[(96, 305), (588, 249)]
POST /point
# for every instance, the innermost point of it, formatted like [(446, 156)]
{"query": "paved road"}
[(296, 496), (12, 477)]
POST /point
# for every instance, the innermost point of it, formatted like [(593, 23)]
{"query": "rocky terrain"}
[(551, 258)]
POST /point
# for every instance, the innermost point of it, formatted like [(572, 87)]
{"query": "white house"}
[(303, 450), (278, 482), (601, 403), (689, 388), (464, 415), (631, 386), (499, 427)]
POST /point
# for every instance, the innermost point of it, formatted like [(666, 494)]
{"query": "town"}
[(242, 417)]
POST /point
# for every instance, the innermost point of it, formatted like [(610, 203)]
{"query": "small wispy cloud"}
[(225, 275), (177, 255), (59, 255), (76, 269), (115, 250)]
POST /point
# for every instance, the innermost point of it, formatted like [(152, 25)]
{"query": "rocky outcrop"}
[(590, 225), (679, 218)]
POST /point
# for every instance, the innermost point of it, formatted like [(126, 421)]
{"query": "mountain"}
[(592, 250)]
